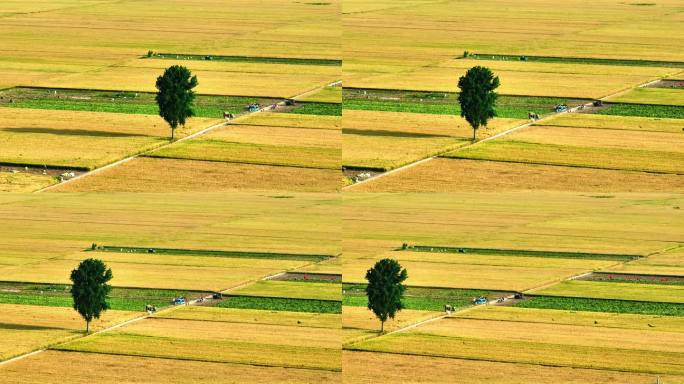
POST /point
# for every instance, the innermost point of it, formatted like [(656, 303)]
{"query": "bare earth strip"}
[(461, 175), (171, 175)]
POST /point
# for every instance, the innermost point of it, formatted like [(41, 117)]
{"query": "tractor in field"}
[(255, 107), (179, 301), (561, 108)]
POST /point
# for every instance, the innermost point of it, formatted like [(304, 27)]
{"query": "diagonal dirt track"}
[(189, 137)]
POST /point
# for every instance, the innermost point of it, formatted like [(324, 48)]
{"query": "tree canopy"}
[(478, 96), (175, 96), (90, 290), (385, 289)]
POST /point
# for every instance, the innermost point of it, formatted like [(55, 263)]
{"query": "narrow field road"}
[(189, 137), (504, 133)]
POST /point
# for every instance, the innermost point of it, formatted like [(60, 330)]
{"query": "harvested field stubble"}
[(177, 175), (364, 367), (54, 367), (463, 175), (81, 139)]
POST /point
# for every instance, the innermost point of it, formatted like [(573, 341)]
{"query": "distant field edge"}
[(247, 59), (46, 166), (455, 155), (522, 252), (40, 87), (574, 60), (512, 95), (208, 252), (270, 164)]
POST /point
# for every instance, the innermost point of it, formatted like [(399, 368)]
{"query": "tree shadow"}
[(380, 132), (72, 132), (25, 327)]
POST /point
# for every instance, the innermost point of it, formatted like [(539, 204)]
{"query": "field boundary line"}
[(514, 129), (20, 357), (680, 173), (129, 158), (501, 360), (180, 358), (421, 161), (189, 137)]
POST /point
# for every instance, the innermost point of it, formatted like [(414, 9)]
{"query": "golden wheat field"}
[(58, 225), (546, 344), (292, 289), (24, 181), (616, 290), (81, 139), (364, 367), (462, 175), (150, 175), (52, 367), (592, 319), (375, 223), (66, 38), (26, 328), (310, 348), (388, 140)]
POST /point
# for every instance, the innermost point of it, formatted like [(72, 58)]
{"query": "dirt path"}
[(504, 133), (425, 160), (189, 137)]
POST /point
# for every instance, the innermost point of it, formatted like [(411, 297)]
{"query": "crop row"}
[(281, 304), (603, 305)]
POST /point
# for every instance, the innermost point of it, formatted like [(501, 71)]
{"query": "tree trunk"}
[(382, 326), (173, 131), (474, 134), (87, 327)]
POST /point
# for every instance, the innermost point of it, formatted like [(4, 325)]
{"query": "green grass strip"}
[(603, 305), (441, 103), (577, 60), (57, 295), (142, 103), (522, 252), (418, 298), (314, 108), (213, 253), (281, 304), (247, 59), (643, 110)]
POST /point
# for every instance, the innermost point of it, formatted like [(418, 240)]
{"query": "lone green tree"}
[(385, 289), (90, 290), (175, 96), (478, 97)]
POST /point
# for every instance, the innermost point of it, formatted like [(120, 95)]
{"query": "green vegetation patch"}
[(578, 60), (603, 305), (120, 102), (424, 299), (281, 304), (213, 253), (315, 108), (643, 110), (248, 59), (59, 295), (445, 103), (521, 252)]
